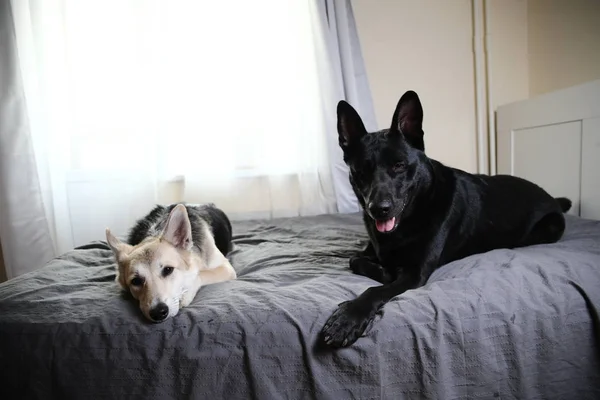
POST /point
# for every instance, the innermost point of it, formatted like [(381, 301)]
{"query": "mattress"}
[(507, 324)]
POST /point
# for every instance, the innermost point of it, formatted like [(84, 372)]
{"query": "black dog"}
[(420, 214)]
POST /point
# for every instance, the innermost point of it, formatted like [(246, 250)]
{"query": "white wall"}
[(564, 43)]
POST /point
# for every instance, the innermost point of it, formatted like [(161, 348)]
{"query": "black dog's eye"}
[(167, 271), (137, 281), (399, 167)]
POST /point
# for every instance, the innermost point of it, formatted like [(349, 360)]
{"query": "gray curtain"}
[(347, 78)]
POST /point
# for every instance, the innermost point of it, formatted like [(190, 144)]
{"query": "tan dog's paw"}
[(186, 299)]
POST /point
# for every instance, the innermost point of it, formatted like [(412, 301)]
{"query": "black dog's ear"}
[(349, 124), (408, 119)]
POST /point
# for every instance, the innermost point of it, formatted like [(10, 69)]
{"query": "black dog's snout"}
[(380, 209), (159, 312)]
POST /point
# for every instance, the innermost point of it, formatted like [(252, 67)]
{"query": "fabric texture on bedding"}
[(505, 324)]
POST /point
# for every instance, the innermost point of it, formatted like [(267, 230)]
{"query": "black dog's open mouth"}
[(386, 226), (389, 225)]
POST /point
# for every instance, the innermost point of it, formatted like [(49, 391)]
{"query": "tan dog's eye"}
[(137, 281), (167, 271)]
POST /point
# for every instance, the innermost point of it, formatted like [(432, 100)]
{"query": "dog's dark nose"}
[(159, 312), (380, 209)]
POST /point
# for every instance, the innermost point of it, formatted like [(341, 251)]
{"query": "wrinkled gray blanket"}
[(509, 324)]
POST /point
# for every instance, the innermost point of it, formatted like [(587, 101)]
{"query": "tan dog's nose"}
[(159, 312)]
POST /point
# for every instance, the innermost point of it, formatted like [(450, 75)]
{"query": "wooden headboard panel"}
[(554, 141)]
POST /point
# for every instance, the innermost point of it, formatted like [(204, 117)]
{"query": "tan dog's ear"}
[(178, 230), (116, 245), (121, 251)]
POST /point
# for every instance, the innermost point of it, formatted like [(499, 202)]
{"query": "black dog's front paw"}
[(347, 323), (361, 265)]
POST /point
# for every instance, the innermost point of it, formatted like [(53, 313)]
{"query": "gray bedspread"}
[(509, 324)]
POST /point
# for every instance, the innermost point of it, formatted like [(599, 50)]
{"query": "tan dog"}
[(170, 254)]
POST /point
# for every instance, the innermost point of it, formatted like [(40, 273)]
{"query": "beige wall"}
[(508, 48), (425, 46), (564, 43), (507, 55), (534, 47)]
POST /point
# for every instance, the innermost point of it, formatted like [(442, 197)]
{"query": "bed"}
[(507, 324)]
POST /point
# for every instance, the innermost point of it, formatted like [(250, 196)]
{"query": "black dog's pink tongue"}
[(385, 226)]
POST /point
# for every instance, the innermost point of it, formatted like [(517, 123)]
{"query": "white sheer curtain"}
[(117, 105)]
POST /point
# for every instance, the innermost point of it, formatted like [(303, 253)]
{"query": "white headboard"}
[(554, 141)]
